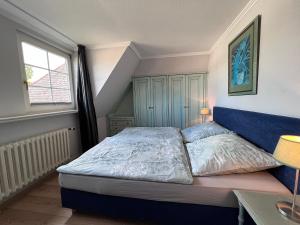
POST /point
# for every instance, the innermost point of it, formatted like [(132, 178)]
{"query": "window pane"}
[(57, 63), (60, 80), (61, 95), (37, 77), (47, 75), (39, 95), (34, 55)]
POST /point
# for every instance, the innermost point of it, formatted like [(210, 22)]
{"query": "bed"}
[(209, 200), (138, 153)]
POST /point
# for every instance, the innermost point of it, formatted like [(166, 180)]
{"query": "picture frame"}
[(243, 60)]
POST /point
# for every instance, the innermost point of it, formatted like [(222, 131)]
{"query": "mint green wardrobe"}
[(195, 88), (186, 98), (141, 99), (177, 99), (169, 100), (150, 101), (159, 101)]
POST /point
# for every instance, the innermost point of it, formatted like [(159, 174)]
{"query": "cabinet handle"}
[(186, 107), (150, 107)]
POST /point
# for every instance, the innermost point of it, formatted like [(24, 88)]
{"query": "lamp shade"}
[(204, 111), (288, 151)]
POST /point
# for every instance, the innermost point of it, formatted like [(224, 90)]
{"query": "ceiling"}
[(157, 27)]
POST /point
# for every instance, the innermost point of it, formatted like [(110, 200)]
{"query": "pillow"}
[(202, 131), (226, 154)]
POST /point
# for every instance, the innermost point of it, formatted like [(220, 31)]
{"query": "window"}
[(47, 73)]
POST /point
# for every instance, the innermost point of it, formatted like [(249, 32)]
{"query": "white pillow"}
[(226, 154), (202, 131)]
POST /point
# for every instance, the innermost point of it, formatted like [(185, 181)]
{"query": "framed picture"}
[(243, 57)]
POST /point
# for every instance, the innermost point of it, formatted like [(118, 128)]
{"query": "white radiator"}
[(25, 161)]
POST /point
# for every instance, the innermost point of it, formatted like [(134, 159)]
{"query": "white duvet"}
[(140, 153)]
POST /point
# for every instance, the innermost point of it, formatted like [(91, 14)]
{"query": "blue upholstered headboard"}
[(262, 130)]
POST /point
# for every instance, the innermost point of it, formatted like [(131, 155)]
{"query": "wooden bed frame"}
[(261, 129)]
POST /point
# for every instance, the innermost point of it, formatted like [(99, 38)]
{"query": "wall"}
[(173, 65), (102, 123), (11, 89), (117, 83), (279, 67), (111, 72), (101, 63), (14, 131), (125, 107), (12, 96)]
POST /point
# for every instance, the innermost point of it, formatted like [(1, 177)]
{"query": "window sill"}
[(35, 116)]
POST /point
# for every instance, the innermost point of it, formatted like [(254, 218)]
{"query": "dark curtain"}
[(86, 109)]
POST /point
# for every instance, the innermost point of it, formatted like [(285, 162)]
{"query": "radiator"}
[(25, 161)]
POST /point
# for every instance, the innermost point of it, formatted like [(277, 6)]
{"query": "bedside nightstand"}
[(261, 206)]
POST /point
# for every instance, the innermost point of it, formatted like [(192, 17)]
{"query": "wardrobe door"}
[(141, 96), (177, 101), (195, 93), (159, 101)]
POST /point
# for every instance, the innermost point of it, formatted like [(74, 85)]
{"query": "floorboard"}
[(41, 206)]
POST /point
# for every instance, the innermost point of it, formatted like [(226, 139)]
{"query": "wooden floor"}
[(41, 206)]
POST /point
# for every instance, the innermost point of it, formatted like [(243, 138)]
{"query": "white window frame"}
[(43, 44)]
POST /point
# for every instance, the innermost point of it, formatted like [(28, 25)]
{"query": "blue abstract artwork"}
[(241, 63), (243, 60)]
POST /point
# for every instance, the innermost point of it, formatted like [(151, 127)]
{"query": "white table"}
[(261, 206)]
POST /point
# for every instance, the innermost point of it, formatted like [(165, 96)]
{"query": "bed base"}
[(163, 213)]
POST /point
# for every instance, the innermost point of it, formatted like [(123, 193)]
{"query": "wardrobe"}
[(172, 100)]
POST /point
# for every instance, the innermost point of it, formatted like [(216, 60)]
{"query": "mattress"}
[(215, 190), (139, 153)]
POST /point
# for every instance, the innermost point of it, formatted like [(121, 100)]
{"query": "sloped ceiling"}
[(111, 72), (157, 27)]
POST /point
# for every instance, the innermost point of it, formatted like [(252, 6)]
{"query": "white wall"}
[(111, 71), (172, 65), (14, 131), (279, 64), (125, 106), (11, 85), (102, 123), (101, 64), (12, 97), (117, 83)]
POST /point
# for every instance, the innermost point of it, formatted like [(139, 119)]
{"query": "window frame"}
[(49, 47)]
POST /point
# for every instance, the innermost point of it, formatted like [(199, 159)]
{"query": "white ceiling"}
[(157, 27)]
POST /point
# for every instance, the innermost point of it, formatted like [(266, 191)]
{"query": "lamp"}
[(204, 112), (288, 153)]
